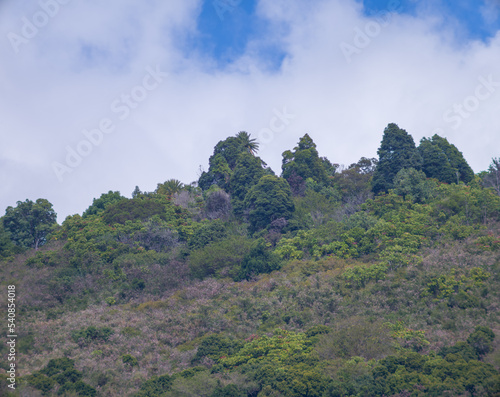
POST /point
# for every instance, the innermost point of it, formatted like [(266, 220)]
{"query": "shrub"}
[(92, 334), (481, 340), (130, 360)]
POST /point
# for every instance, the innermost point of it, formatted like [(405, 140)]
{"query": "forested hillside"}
[(380, 278)]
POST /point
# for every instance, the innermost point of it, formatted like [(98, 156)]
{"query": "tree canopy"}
[(443, 161), (304, 162), (30, 222), (397, 151), (268, 200)]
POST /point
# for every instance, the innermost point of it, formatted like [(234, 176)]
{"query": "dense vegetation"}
[(376, 279)]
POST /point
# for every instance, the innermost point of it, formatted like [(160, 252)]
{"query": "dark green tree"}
[(435, 163), (269, 199), (443, 161), (30, 222), (259, 260), (304, 162), (6, 246), (247, 173), (397, 151), (99, 205), (224, 160)]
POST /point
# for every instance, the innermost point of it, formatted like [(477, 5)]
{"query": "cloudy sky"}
[(98, 96)]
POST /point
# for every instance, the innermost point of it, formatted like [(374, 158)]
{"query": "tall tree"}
[(250, 144), (169, 187), (397, 151), (492, 176), (224, 159), (247, 173), (29, 223), (269, 199), (443, 161), (304, 162)]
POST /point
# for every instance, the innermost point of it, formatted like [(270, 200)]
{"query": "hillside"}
[(381, 278)]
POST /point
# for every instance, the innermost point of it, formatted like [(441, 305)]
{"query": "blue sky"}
[(143, 92), (226, 26)]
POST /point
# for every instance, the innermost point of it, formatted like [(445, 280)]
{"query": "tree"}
[(99, 205), (169, 187), (397, 151), (413, 183), (269, 199), (304, 162), (435, 163), (492, 177), (247, 173), (443, 161), (30, 222), (137, 192), (355, 181), (250, 144)]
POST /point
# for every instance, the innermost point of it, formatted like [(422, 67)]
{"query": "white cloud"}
[(90, 54)]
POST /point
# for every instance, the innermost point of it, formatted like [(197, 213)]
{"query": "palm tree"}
[(250, 144), (169, 187)]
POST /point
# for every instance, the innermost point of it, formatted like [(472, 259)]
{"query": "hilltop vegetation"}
[(376, 279)]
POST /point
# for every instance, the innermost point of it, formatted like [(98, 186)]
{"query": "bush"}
[(259, 260), (481, 340), (221, 259), (130, 360), (92, 334), (216, 346)]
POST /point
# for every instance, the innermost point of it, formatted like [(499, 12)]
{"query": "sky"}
[(98, 96)]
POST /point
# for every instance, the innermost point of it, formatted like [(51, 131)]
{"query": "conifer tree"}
[(397, 151)]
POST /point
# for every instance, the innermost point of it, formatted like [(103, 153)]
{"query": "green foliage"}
[(169, 188), (99, 205), (206, 233), (411, 183), (224, 159), (220, 259), (356, 337), (30, 223), (155, 387), (129, 360), (247, 173), (281, 348), (60, 371), (407, 338), (44, 259), (92, 334), (134, 209), (217, 347), (481, 340), (358, 276), (443, 161), (397, 151), (259, 260), (303, 163), (268, 200)]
